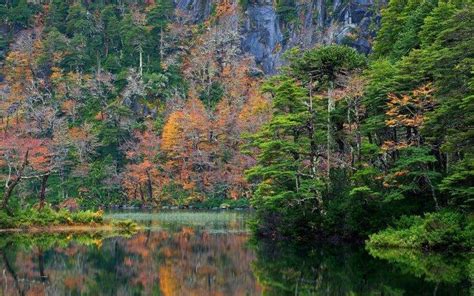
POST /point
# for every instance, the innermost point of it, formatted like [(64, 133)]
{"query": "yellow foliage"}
[(172, 131)]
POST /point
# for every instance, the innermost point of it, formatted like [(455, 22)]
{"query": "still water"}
[(208, 253)]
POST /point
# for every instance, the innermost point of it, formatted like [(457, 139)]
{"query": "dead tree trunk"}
[(12, 183)]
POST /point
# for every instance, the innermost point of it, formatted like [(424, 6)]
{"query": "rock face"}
[(261, 35), (267, 35)]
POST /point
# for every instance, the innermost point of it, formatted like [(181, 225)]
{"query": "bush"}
[(127, 225), (87, 217), (48, 217), (443, 230)]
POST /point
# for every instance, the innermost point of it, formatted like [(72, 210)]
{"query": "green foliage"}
[(459, 184), (87, 217), (290, 197), (407, 164), (18, 14), (422, 42), (33, 217), (126, 225), (323, 65), (433, 267), (284, 267), (286, 10), (243, 4), (28, 241), (323, 163), (411, 173), (213, 95), (434, 231)]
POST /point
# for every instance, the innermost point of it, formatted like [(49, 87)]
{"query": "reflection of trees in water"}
[(195, 262), (290, 270), (26, 281), (149, 263), (433, 267)]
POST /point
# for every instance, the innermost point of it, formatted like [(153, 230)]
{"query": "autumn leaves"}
[(198, 150)]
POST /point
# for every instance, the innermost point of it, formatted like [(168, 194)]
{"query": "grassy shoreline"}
[(66, 228), (49, 220)]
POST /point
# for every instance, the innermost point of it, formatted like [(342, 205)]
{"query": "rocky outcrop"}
[(266, 35), (261, 35)]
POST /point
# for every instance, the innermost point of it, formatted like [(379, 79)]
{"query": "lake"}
[(209, 253)]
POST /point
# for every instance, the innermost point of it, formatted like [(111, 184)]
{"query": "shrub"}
[(86, 217), (127, 225), (47, 217), (443, 230)]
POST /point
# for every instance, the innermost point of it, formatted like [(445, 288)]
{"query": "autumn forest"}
[(138, 105)]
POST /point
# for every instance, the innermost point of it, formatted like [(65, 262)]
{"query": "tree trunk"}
[(161, 44), (8, 192), (329, 135), (149, 185), (42, 195), (433, 192), (313, 146), (11, 270), (141, 61), (12, 184), (358, 135), (142, 195), (99, 66), (43, 276)]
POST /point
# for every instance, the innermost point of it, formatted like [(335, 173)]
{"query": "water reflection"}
[(285, 269), (180, 261), (209, 254)]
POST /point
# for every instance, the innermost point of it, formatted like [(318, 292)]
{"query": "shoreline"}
[(64, 228)]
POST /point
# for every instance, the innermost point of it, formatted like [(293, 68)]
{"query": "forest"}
[(109, 103)]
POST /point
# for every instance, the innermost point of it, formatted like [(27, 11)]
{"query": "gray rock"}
[(266, 37), (261, 35)]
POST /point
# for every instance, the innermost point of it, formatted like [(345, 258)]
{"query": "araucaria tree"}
[(297, 147), (351, 149)]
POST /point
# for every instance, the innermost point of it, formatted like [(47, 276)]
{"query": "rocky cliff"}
[(267, 29)]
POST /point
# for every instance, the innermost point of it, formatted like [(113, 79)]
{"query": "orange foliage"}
[(408, 111), (186, 139), (15, 149), (172, 131), (142, 172), (255, 113), (19, 76), (225, 8)]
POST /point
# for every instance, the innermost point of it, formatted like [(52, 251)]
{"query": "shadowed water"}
[(207, 253)]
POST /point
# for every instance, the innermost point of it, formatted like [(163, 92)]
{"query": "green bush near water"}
[(48, 217), (433, 231), (126, 225)]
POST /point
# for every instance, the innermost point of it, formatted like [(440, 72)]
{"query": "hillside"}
[(330, 118)]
